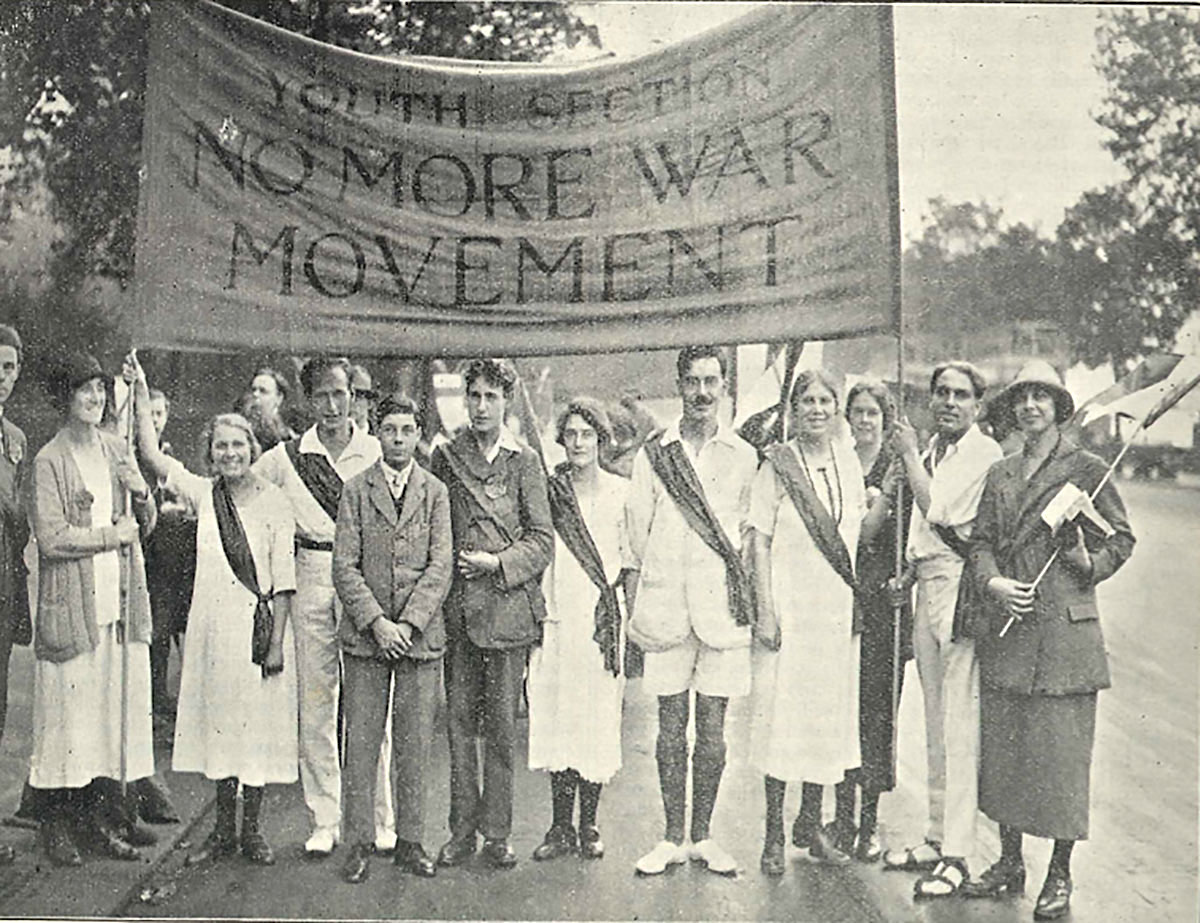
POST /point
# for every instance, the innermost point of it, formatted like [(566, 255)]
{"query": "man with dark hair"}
[(363, 407), (392, 564), (311, 470), (692, 613), (15, 625), (946, 482), (503, 540)]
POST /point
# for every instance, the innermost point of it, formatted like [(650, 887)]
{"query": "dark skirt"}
[(1035, 761), (875, 706)]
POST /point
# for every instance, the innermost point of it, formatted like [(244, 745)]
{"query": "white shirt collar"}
[(507, 440), (397, 480), (723, 434), (359, 444)]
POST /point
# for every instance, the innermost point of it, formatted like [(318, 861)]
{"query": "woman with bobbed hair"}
[(237, 714), (575, 676), (88, 553)]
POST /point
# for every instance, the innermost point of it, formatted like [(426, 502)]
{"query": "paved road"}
[(1139, 865)]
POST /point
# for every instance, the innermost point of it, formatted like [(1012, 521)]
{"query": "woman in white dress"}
[(575, 676), (237, 714), (88, 551), (806, 508)]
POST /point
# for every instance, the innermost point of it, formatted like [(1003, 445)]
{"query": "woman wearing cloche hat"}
[(1039, 679)]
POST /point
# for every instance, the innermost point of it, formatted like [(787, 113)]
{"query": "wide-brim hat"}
[(1039, 373)]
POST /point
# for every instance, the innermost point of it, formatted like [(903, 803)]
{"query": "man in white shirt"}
[(311, 470), (690, 608), (947, 482)]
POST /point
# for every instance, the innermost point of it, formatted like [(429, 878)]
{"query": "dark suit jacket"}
[(1059, 649), (14, 533), (395, 565), (506, 609)]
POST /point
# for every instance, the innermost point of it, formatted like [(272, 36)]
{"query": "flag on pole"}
[(1154, 386)]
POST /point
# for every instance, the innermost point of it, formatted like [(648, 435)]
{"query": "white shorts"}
[(695, 665)]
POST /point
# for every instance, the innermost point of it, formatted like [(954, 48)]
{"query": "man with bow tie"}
[(392, 569)]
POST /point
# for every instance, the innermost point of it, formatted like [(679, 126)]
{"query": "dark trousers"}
[(414, 690), (6, 646), (482, 688)]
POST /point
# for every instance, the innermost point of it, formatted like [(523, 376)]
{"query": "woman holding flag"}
[(575, 676), (236, 721), (1040, 674)]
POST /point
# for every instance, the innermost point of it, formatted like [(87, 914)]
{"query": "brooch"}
[(495, 488)]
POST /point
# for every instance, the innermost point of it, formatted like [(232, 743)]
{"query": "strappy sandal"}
[(938, 883), (907, 860)]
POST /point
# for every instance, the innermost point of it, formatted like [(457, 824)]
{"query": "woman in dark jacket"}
[(1039, 680), (871, 413)]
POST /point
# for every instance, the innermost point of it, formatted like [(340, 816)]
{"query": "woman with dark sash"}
[(1039, 681), (575, 677), (806, 509), (236, 721), (88, 551), (871, 412)]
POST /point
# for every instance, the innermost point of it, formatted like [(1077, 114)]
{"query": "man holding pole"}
[(946, 482)]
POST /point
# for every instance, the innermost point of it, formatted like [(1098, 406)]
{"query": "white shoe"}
[(660, 858), (385, 841), (712, 855), (321, 842)]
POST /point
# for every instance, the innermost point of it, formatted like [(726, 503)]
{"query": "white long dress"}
[(231, 721), (805, 725), (574, 703), (77, 703)]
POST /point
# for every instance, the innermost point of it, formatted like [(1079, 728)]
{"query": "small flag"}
[(1152, 388)]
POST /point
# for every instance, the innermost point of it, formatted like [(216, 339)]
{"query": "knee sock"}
[(775, 790), (708, 762), (226, 825), (562, 796), (868, 818), (843, 817), (252, 797), (589, 802), (1060, 859), (671, 754), (1010, 845), (809, 818)]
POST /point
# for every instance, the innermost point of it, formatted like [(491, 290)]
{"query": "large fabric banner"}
[(740, 187)]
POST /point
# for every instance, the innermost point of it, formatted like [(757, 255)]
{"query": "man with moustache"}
[(690, 600), (946, 481), (15, 625), (311, 470), (503, 541), (392, 565)]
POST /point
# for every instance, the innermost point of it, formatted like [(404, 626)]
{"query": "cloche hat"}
[(1040, 373)]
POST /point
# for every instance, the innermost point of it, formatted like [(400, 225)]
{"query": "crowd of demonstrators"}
[(338, 567)]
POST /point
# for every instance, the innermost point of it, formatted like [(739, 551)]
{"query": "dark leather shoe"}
[(558, 842), (772, 862), (1055, 899), (256, 848), (8, 855), (358, 864), (824, 847), (499, 854), (456, 851), (1000, 878), (412, 858), (107, 842), (216, 845), (802, 834), (154, 802), (590, 844), (137, 835), (60, 848)]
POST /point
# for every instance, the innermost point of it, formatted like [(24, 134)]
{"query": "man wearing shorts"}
[(689, 598)]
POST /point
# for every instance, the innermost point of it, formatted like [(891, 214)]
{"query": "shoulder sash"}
[(318, 475), (812, 512)]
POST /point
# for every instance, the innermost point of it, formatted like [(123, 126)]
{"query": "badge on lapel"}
[(495, 487), (16, 451)]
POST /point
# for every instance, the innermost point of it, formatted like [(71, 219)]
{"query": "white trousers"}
[(950, 684), (316, 612)]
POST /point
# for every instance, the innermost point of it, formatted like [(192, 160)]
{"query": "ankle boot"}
[(223, 839), (254, 845)]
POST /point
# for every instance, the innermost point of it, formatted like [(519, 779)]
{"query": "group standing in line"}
[(336, 562)]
